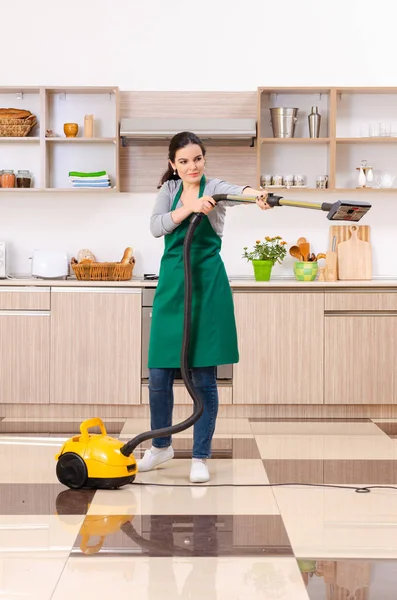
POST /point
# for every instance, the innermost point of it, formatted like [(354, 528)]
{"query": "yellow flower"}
[(282, 243), (268, 239), (258, 241)]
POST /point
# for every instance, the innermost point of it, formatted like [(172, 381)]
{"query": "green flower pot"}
[(305, 271), (262, 269)]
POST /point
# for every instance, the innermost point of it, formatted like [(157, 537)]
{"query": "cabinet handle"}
[(95, 290), (363, 313), (25, 313), (24, 290)]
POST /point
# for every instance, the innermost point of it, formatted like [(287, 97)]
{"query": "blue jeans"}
[(161, 399)]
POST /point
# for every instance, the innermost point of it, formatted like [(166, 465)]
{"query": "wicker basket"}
[(17, 127), (107, 271)]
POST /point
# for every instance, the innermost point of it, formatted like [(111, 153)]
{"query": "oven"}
[(223, 372)]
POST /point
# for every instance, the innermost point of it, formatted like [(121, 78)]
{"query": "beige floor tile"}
[(314, 428), (193, 578), (331, 523), (34, 536), (365, 447), (384, 420), (29, 578), (223, 427), (28, 460), (222, 471), (194, 500)]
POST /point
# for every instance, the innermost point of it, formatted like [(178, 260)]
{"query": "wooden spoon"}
[(295, 252), (304, 249), (301, 240)]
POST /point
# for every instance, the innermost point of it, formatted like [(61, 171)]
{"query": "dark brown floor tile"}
[(294, 471), (349, 579), (42, 499), (243, 447), (175, 535), (302, 420), (47, 427), (389, 428), (347, 472)]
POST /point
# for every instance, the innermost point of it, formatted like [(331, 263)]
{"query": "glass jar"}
[(24, 179), (8, 179)]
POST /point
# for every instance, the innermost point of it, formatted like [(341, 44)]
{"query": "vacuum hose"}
[(341, 210), (130, 446)]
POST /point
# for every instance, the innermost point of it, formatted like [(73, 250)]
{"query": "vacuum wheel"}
[(71, 470)]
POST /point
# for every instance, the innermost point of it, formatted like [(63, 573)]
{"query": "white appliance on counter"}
[(3, 270), (50, 264)]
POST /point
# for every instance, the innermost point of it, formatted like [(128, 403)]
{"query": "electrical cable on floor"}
[(359, 490)]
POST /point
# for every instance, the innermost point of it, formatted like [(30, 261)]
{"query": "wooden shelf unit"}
[(357, 124), (49, 159)]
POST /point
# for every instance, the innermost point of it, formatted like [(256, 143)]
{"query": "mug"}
[(322, 182), (288, 180), (299, 180), (266, 180), (277, 180)]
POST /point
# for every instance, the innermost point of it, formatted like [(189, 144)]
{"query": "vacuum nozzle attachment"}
[(342, 210)]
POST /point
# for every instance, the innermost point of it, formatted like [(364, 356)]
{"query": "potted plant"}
[(264, 256)]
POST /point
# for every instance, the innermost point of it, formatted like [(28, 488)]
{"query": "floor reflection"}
[(349, 579)]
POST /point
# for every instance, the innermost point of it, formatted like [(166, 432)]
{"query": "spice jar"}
[(24, 179), (8, 179)]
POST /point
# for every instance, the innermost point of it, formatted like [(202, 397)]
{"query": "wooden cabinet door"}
[(24, 357), (96, 346), (281, 345), (360, 359)]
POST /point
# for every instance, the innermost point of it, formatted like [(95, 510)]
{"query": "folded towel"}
[(92, 184), (82, 174), (101, 178)]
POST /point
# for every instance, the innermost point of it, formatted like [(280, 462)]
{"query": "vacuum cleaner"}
[(98, 461)]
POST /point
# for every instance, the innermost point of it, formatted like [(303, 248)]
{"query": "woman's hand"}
[(204, 205), (261, 202)]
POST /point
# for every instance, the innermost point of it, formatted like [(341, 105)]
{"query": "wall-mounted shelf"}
[(82, 140), (20, 140), (49, 159), (357, 124), (294, 140)]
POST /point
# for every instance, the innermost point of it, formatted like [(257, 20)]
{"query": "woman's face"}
[(189, 163)]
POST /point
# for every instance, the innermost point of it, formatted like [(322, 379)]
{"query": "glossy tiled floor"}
[(257, 540)]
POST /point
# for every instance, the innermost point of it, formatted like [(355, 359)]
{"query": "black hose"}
[(130, 446)]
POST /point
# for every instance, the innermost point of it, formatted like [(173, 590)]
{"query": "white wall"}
[(176, 45)]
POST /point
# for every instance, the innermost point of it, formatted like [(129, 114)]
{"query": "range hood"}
[(135, 129)]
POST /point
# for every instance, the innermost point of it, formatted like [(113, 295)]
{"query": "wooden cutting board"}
[(342, 233), (354, 257)]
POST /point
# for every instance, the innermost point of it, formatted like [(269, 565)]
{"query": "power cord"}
[(359, 490)]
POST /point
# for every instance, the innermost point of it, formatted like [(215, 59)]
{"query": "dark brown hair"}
[(180, 140)]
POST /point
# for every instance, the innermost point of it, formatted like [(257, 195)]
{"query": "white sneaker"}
[(199, 472), (154, 457)]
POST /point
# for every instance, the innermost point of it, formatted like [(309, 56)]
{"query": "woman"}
[(186, 190)]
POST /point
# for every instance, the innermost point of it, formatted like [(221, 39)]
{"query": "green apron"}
[(213, 332)]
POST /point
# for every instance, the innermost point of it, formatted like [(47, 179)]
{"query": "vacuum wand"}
[(342, 210)]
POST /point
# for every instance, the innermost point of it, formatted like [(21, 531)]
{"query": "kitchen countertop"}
[(236, 283)]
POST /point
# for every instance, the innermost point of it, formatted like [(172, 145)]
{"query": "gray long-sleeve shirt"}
[(161, 221)]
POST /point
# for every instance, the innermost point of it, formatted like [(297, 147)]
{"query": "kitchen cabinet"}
[(24, 357), (281, 345), (360, 359), (95, 345)]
